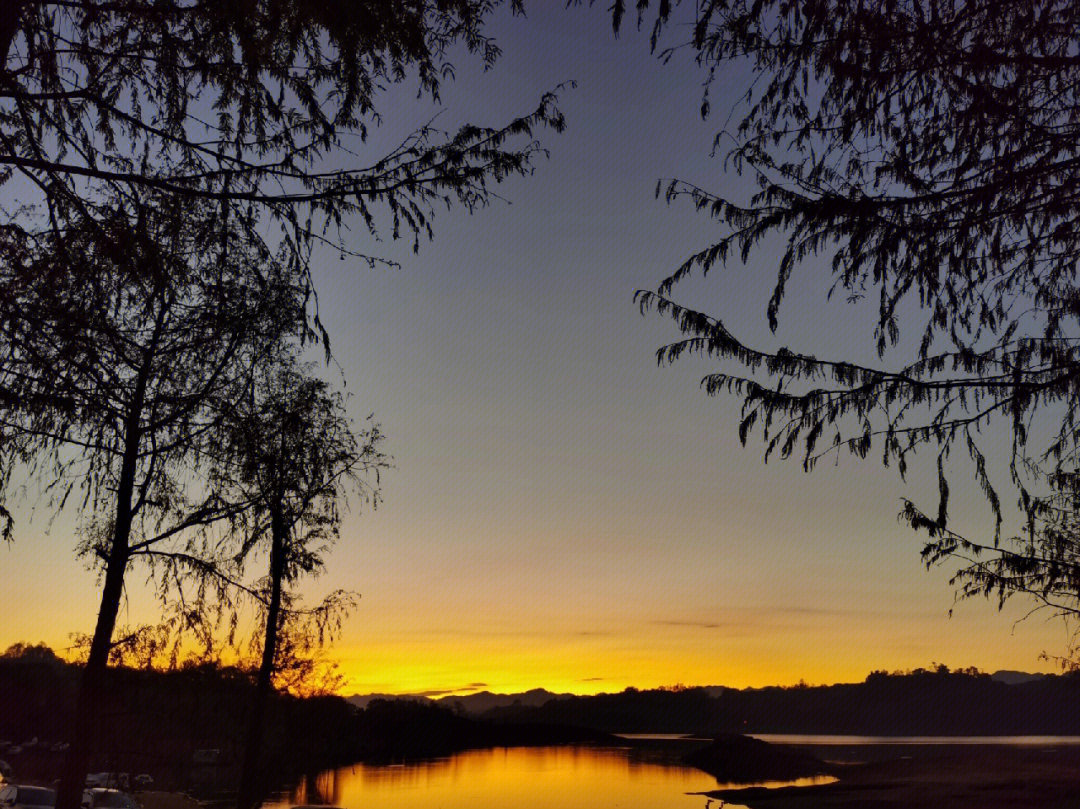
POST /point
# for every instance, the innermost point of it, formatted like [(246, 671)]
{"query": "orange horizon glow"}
[(509, 664), (503, 639)]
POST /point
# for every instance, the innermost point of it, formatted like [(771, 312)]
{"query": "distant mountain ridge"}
[(1010, 677), (483, 701), (936, 702), (476, 703)]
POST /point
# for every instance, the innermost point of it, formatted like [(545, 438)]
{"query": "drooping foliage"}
[(166, 169), (127, 339), (1042, 564), (922, 156), (260, 102), (290, 451)]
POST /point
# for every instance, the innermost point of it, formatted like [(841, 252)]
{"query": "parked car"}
[(109, 780), (19, 796), (208, 756), (101, 798), (143, 781)]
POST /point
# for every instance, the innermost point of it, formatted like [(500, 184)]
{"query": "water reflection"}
[(645, 776), (522, 777), (819, 740), (807, 781)]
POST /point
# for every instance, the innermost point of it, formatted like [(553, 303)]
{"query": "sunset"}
[(422, 378)]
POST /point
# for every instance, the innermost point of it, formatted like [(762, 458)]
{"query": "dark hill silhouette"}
[(363, 700), (1010, 677), (472, 704), (157, 720), (921, 702), (483, 701)]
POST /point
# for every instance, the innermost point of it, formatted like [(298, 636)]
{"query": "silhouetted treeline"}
[(398, 729), (157, 721), (154, 721), (923, 702), (185, 727)]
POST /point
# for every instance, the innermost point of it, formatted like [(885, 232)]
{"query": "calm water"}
[(520, 777), (578, 777), (812, 740)]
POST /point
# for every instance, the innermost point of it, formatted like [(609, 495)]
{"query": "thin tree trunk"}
[(92, 685), (91, 689), (250, 792)]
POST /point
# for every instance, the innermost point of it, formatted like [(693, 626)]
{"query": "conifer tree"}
[(261, 103), (290, 451), (923, 156), (134, 337)]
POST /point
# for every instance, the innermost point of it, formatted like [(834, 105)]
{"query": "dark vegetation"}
[(394, 729), (923, 702), (166, 722), (155, 721), (918, 160)]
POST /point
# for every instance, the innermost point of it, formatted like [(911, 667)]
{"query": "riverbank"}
[(937, 777)]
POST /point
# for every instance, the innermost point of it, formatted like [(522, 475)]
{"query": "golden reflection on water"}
[(808, 781), (519, 777)]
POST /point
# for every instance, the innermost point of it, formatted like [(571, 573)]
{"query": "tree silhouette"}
[(133, 338), (1041, 565), (291, 452), (157, 145), (927, 153), (262, 103)]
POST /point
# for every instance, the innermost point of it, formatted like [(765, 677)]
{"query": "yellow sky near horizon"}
[(533, 625), (460, 642)]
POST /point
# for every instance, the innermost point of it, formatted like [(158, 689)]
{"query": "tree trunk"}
[(250, 792), (92, 685)]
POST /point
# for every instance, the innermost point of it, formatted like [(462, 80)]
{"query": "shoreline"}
[(982, 776)]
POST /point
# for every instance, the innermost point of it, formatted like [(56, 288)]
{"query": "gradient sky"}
[(562, 513)]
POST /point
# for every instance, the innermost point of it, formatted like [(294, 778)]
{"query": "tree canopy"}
[(924, 156), (167, 168), (292, 453), (263, 103), (127, 340)]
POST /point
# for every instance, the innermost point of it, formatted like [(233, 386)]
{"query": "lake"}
[(811, 740), (519, 777), (585, 777), (883, 748)]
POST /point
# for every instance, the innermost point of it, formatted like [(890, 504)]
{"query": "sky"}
[(561, 512)]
